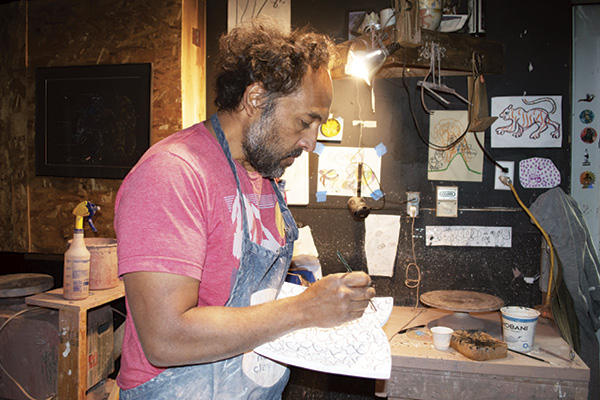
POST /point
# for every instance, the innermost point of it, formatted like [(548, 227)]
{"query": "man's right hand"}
[(337, 298)]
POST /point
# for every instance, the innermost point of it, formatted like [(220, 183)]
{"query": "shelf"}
[(72, 325), (457, 59)]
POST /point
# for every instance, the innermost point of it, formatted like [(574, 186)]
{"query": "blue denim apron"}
[(247, 376)]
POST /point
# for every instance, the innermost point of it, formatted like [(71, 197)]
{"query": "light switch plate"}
[(446, 201)]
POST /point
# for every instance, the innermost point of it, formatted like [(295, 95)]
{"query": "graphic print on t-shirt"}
[(259, 233)]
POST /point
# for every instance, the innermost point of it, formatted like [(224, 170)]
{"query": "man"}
[(205, 237)]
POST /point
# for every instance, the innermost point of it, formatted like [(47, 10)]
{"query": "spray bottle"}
[(77, 257)]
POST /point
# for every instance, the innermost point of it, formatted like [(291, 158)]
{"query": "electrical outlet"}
[(412, 200)]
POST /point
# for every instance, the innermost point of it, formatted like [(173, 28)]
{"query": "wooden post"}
[(408, 25)]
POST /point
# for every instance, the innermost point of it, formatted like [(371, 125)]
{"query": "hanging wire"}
[(433, 146)]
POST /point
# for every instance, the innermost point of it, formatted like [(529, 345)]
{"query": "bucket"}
[(103, 263), (518, 327)]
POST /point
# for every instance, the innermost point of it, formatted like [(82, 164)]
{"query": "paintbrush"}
[(350, 270)]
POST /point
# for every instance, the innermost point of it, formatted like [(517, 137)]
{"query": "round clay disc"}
[(462, 300), (19, 285)]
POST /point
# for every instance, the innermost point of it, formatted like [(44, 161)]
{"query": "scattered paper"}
[(305, 253), (381, 243), (469, 236)]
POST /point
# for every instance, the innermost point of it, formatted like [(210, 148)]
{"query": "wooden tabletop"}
[(415, 349), (54, 299)]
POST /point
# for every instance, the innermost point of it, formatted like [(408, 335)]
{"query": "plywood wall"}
[(35, 211)]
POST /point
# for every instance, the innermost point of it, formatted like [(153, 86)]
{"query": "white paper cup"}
[(518, 327), (441, 337)]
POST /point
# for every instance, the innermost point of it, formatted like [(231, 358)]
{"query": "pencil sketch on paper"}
[(461, 162), (240, 11), (357, 348), (338, 170), (469, 236), (521, 126)]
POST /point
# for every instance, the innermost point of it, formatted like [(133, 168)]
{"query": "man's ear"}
[(253, 98)]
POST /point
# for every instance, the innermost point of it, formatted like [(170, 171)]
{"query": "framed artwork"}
[(92, 121)]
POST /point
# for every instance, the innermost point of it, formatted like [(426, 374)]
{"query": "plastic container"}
[(76, 269), (518, 327), (104, 273)]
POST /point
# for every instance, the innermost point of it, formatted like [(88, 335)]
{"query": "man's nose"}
[(309, 142)]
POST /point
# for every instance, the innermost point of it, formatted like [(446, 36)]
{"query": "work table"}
[(419, 371)]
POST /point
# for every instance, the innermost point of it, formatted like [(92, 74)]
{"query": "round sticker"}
[(331, 128), (586, 116), (587, 180), (589, 135)]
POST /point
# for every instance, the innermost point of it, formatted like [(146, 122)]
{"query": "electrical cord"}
[(2, 367), (433, 146), (506, 181), (408, 282), (489, 156)]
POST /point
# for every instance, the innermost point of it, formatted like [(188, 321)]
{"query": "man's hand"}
[(337, 298), (174, 331)]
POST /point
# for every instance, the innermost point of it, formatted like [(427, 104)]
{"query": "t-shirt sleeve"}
[(159, 218)]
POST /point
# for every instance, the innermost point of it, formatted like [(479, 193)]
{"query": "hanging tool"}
[(435, 54)]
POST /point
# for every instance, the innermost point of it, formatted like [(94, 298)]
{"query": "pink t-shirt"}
[(178, 212)]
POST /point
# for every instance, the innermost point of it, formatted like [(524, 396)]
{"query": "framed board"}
[(92, 121)]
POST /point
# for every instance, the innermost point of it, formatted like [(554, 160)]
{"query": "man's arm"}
[(174, 331)]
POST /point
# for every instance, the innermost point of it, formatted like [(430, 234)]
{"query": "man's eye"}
[(305, 125)]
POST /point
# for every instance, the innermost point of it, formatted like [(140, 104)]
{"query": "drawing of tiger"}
[(521, 119)]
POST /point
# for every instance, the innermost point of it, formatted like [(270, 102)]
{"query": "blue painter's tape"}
[(377, 194), (380, 149), (319, 148), (321, 196)]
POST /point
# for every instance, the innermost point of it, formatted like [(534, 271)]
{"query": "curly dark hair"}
[(260, 51)]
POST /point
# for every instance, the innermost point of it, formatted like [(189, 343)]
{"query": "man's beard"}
[(263, 148)]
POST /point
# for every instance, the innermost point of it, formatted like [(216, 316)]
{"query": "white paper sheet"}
[(296, 181), (463, 162), (527, 121), (381, 243), (469, 236), (239, 11), (338, 170), (357, 348)]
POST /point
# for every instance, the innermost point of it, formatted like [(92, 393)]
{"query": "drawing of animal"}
[(521, 119)]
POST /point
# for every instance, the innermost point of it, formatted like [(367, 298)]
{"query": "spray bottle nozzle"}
[(85, 209)]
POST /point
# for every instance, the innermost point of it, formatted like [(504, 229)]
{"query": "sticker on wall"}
[(586, 158), (331, 130), (588, 135), (469, 236), (589, 97), (527, 121), (463, 162), (587, 180), (587, 116), (538, 173)]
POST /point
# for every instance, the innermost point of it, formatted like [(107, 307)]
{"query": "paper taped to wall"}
[(470, 236)]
